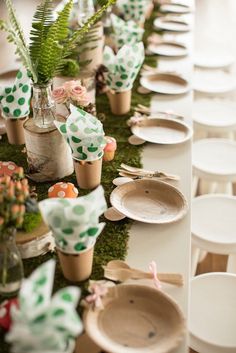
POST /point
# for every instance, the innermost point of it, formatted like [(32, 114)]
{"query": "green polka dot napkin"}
[(15, 100), (43, 323), (84, 133), (123, 67), (133, 9), (75, 222), (125, 32)]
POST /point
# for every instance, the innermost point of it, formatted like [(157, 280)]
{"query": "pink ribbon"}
[(153, 270), (97, 292)]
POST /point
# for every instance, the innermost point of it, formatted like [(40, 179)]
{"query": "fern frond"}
[(15, 24), (51, 48), (42, 20), (101, 2), (21, 50)]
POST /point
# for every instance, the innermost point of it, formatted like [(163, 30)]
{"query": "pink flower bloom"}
[(76, 92), (59, 94)]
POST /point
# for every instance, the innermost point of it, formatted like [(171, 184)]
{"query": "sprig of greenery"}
[(51, 49), (21, 49), (14, 22), (50, 44), (42, 21)]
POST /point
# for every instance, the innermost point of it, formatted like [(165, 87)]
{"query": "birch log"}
[(48, 155)]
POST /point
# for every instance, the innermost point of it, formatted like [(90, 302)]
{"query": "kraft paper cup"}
[(120, 102), (88, 173), (15, 131), (76, 267)]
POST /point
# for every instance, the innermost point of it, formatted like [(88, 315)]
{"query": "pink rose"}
[(76, 92), (59, 95)]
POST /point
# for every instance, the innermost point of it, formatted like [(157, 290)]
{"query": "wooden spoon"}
[(118, 270)]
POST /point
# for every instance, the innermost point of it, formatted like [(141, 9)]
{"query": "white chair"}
[(212, 318), (214, 228), (214, 117), (214, 166)]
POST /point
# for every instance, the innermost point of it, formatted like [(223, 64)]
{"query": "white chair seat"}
[(213, 313), (215, 115), (215, 159), (214, 223)]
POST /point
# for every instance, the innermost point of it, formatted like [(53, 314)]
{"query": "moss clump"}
[(31, 221)]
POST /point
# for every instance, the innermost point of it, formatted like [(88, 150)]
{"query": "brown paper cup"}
[(120, 102), (15, 131), (76, 267), (88, 173)]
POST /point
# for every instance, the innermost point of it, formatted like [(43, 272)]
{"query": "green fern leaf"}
[(51, 48), (21, 50), (14, 21), (42, 20)]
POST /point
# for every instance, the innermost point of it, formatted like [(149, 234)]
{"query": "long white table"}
[(169, 245)]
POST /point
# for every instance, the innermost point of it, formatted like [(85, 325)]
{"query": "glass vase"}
[(85, 11), (44, 108), (11, 266)]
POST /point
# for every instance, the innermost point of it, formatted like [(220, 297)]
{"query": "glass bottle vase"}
[(85, 11), (11, 266), (43, 105)]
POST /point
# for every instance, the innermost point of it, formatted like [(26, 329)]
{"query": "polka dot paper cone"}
[(133, 9), (123, 67), (45, 323), (75, 222), (15, 100), (125, 32), (84, 133)]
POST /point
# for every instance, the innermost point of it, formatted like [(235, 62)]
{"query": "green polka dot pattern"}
[(15, 100), (75, 225), (84, 133), (54, 312), (124, 66), (133, 9)]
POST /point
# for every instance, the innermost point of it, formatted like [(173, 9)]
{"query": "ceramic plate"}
[(215, 112), (162, 131), (149, 201), (213, 61), (170, 49), (165, 83), (175, 8), (173, 25), (136, 318), (213, 81)]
